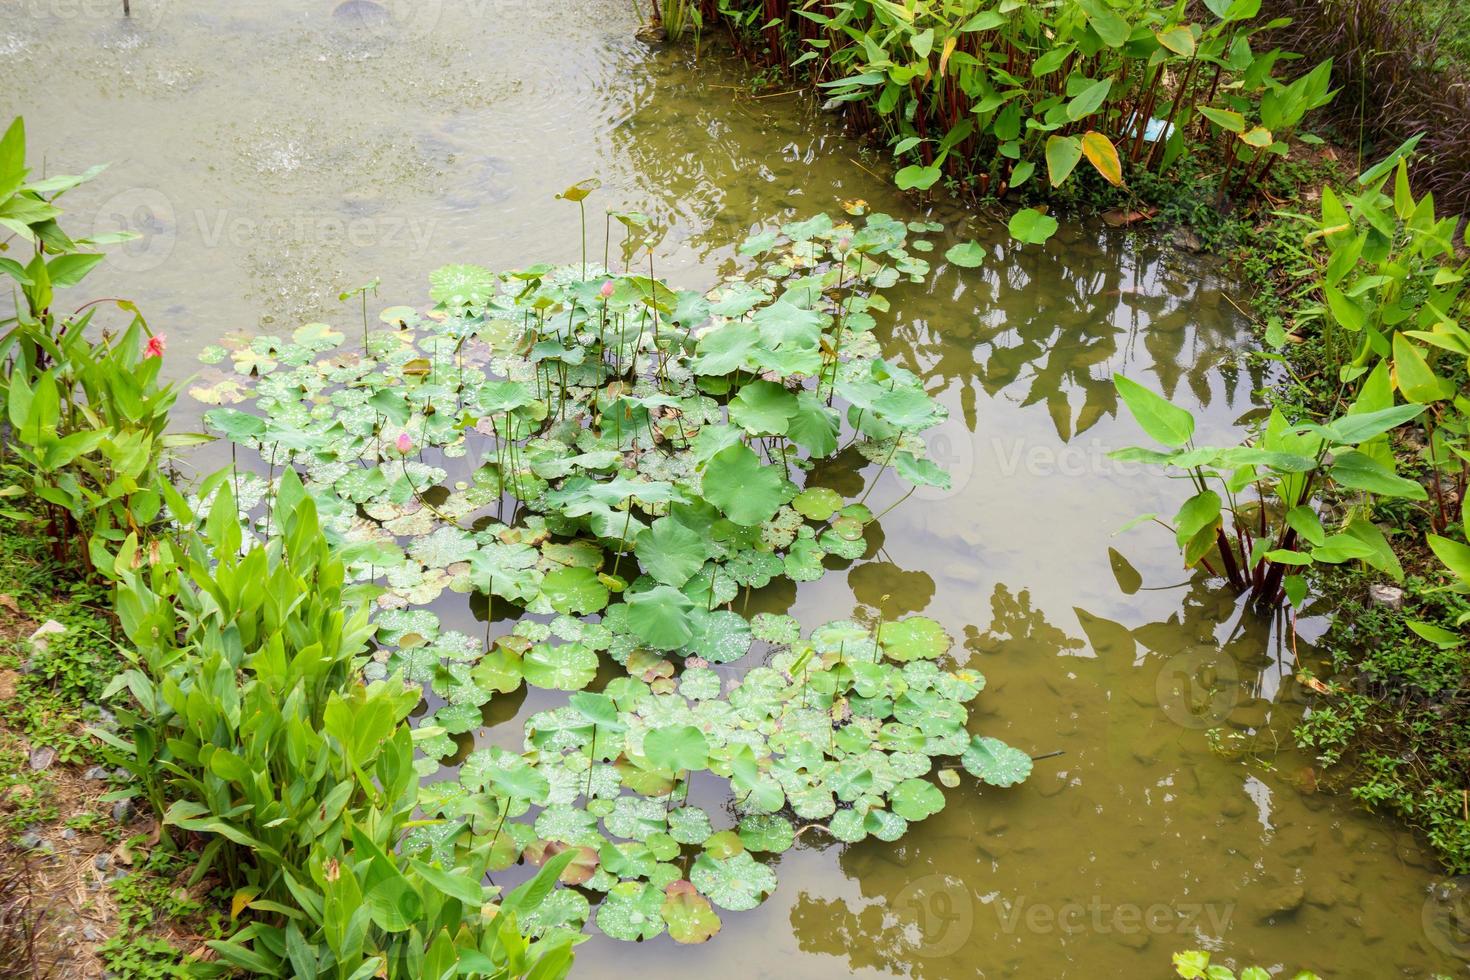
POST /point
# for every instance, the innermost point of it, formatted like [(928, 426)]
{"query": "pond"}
[(272, 155)]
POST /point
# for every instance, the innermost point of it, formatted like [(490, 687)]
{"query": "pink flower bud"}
[(404, 443), (607, 289), (155, 346)]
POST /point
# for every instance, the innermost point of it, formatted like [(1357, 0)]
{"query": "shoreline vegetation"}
[(1361, 305), (235, 666)]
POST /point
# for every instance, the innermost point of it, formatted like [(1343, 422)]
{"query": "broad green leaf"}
[(1164, 422)]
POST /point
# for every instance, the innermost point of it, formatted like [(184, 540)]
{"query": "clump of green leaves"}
[(1255, 516), (247, 727), (636, 453), (86, 417), (987, 96), (1196, 965)]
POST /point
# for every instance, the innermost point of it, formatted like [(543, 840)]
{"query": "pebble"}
[(122, 811), (102, 862), (1280, 902), (96, 772), (32, 841), (1386, 595), (1250, 715), (42, 756), (1134, 938)]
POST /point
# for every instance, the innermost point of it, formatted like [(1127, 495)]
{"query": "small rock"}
[(42, 756), (1187, 241), (651, 34), (68, 834), (1280, 902), (96, 772), (102, 862), (1321, 896), (1134, 938), (1386, 595), (40, 640), (122, 811), (32, 841), (1251, 715), (92, 934), (9, 681)]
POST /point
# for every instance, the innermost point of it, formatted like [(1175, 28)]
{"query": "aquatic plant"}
[(1196, 965), (1255, 516), (633, 453), (86, 417), (988, 96), (246, 726)]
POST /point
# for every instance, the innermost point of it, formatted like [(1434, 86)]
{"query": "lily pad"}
[(738, 883), (995, 762)]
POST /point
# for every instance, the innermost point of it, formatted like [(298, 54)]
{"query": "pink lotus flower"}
[(607, 289), (404, 443), (155, 346)]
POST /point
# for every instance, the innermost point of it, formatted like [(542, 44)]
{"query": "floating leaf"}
[(738, 883), (632, 910), (995, 762), (568, 667), (915, 799), (688, 914), (915, 637)]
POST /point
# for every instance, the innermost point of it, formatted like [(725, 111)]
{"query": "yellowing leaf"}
[(1101, 153), (1259, 136), (949, 44), (1177, 39), (241, 901)]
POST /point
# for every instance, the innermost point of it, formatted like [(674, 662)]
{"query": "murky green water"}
[(274, 154)]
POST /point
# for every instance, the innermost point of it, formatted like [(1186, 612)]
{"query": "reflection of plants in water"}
[(631, 452), (1049, 327)]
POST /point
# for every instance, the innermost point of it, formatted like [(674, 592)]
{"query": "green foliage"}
[(636, 451), (989, 96), (1389, 290), (86, 418), (1393, 724), (1196, 965), (1257, 507), (247, 728)]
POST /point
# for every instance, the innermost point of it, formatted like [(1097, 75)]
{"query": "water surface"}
[(272, 155)]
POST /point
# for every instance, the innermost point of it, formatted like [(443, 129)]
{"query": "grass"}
[(95, 895), (1393, 726)]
